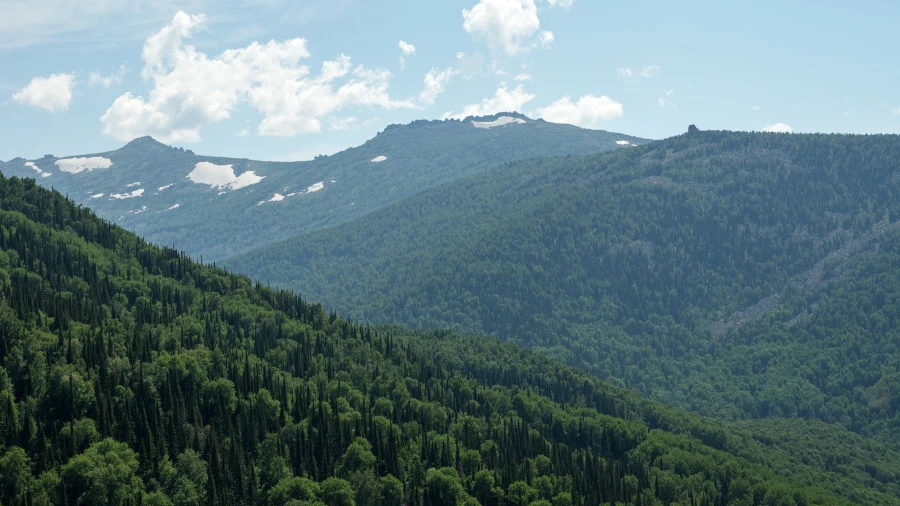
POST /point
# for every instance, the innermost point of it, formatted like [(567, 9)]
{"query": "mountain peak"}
[(148, 143), (145, 141)]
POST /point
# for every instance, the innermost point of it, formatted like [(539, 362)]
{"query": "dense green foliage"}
[(736, 275), (218, 222), (131, 375)]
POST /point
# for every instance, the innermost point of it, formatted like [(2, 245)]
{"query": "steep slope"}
[(131, 375), (708, 271), (218, 207)]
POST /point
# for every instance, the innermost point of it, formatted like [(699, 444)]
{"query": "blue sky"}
[(286, 80)]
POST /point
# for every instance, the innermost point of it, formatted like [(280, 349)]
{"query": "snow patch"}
[(135, 193), (379, 159), (97, 196), (176, 206), (161, 188), (132, 185), (275, 198), (37, 169), (316, 187), (81, 164), (623, 143), (222, 177), (41, 173), (501, 121)]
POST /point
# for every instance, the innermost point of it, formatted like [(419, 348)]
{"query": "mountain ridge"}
[(155, 189), (132, 375), (621, 263)]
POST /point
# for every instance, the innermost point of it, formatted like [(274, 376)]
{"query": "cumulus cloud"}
[(508, 26), (547, 38), (587, 112), (435, 83), (98, 79), (406, 49), (504, 100), (191, 90), (646, 72), (53, 93), (781, 128)]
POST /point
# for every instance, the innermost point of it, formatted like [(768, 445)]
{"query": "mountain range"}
[(706, 270), (132, 375), (214, 207), (748, 278)]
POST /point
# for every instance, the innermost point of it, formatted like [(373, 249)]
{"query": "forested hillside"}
[(131, 375), (736, 275), (217, 207)]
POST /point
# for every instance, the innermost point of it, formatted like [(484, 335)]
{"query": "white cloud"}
[(547, 38), (895, 111), (407, 48), (379, 159), (756, 108), (469, 66), (504, 100), (337, 124), (191, 89), (76, 165), (565, 4), (52, 93), (651, 71), (222, 177), (435, 83), (587, 112), (506, 25), (27, 22), (781, 128), (522, 77), (664, 101), (98, 79), (646, 72)]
